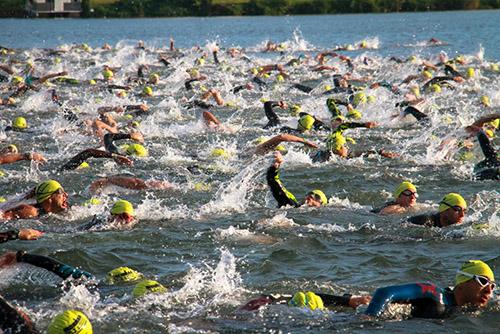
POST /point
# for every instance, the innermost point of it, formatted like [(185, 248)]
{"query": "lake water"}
[(216, 239)]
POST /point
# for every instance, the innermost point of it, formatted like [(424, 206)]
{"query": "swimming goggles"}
[(483, 281), (409, 193), (456, 208)]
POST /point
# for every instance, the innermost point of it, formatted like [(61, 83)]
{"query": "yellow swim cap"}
[(451, 200), (147, 287), (281, 148), (12, 148), (122, 93), (19, 123), (485, 100), (363, 44), (280, 78), (354, 113), (46, 189), (107, 74), (308, 299), (123, 275), (495, 67), (359, 98), (473, 267), (147, 91), (405, 185), (92, 82), (137, 150), (415, 90), (328, 87), (427, 74), (335, 141), (122, 206), (306, 122), (154, 78), (436, 88), (70, 322), (470, 72), (219, 153), (295, 109), (17, 80), (371, 99), (489, 133), (495, 123), (84, 164), (319, 194)]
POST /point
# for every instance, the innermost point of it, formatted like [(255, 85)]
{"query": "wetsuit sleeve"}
[(60, 269), (420, 220), (302, 88), (9, 235), (187, 84), (352, 125), (407, 294), (486, 147), (420, 116), (436, 80), (109, 138), (451, 71), (280, 194), (270, 114), (216, 59), (14, 321), (333, 300), (238, 89), (83, 156)]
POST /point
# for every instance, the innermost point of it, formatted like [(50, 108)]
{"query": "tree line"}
[(170, 8)]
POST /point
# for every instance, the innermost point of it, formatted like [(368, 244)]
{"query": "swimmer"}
[(127, 182), (121, 214), (9, 158), (314, 198), (452, 210), (474, 286), (405, 197), (23, 234)]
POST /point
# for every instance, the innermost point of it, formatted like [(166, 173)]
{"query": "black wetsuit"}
[(280, 194), (9, 235), (420, 116), (60, 269), (273, 119), (83, 156), (377, 210), (13, 321), (429, 220), (328, 301), (109, 138), (443, 80), (489, 168)]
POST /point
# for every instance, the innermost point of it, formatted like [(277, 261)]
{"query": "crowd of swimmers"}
[(474, 281)]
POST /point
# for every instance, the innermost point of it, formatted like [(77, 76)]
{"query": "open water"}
[(215, 239)]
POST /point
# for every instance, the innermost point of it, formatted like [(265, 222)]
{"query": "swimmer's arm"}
[(486, 147), (121, 181), (420, 116), (14, 157), (93, 153), (396, 293), (280, 194), (485, 119), (391, 210), (275, 141), (52, 75), (60, 269), (210, 119), (22, 211), (7, 69), (345, 300)]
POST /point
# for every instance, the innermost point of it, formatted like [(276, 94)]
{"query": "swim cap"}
[(137, 150), (474, 267), (371, 99), (280, 78), (359, 98), (260, 140), (308, 299), (452, 199), (495, 123), (17, 80), (92, 82), (306, 122), (485, 100), (122, 206), (122, 275), (200, 61), (328, 87), (70, 322), (295, 109), (489, 133), (19, 123), (495, 67), (219, 153), (436, 88), (122, 93), (405, 185), (354, 113), (154, 78), (427, 74), (12, 148), (84, 164), (147, 91), (194, 73), (147, 287), (107, 74), (415, 90), (321, 195), (363, 44), (412, 58), (335, 141), (46, 189), (470, 72)]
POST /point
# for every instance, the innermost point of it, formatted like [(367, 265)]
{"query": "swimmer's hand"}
[(388, 154), (355, 301), (143, 107), (283, 105), (137, 136), (120, 159), (8, 259), (29, 234), (36, 157), (370, 125)]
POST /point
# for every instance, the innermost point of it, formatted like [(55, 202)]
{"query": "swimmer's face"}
[(477, 294), (453, 215), (59, 201), (313, 201), (407, 199)]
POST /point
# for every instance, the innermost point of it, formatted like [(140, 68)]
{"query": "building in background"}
[(54, 8)]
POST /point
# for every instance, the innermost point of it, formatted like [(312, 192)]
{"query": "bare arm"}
[(14, 157), (275, 141)]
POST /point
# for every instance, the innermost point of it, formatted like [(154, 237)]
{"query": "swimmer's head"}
[(137, 150), (359, 98), (122, 275), (405, 186), (16, 80), (306, 123), (45, 190), (70, 322), (122, 206), (295, 109), (147, 91), (107, 74), (427, 74), (473, 267), (471, 73), (316, 198), (219, 152), (19, 123), (147, 287), (11, 149), (307, 299), (354, 114), (452, 209), (154, 79), (436, 88), (485, 100)]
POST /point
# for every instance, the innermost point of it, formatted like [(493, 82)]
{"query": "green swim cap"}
[(306, 122), (219, 153), (280, 78), (147, 287), (406, 185), (495, 67), (137, 150), (12, 148), (46, 189), (19, 123), (486, 101), (436, 88), (295, 109), (308, 299), (281, 148), (319, 194), (147, 91), (470, 73), (107, 74), (70, 322), (122, 206), (17, 80), (450, 200), (335, 141), (354, 113), (427, 74), (473, 267), (154, 77), (359, 98), (123, 275)]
